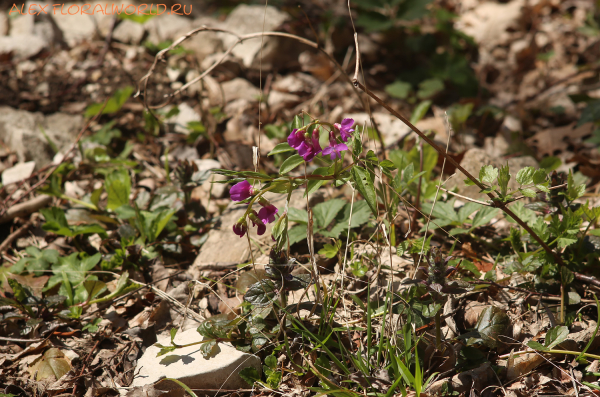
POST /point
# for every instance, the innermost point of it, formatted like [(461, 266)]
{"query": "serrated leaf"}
[(364, 185), (325, 212), (290, 163), (297, 233), (528, 193), (487, 174), (281, 148), (525, 175), (539, 176), (329, 250), (503, 179)]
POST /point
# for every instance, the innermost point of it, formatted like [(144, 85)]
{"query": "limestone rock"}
[(20, 131), (21, 46), (167, 27), (245, 19), (206, 43), (390, 127), (239, 88), (18, 173), (129, 32), (191, 368), (474, 159), (75, 28), (186, 114)]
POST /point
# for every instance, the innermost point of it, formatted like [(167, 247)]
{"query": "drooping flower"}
[(241, 191), (261, 227), (267, 214), (240, 227), (345, 129), (296, 138)]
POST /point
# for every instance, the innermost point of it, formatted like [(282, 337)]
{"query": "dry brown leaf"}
[(555, 140)]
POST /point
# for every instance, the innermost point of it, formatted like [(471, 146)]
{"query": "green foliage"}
[(492, 323), (113, 105)]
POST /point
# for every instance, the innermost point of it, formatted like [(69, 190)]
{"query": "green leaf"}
[(250, 374), (55, 219), (556, 335), (364, 185), (420, 111), (261, 293), (566, 276), (315, 184), (550, 163), (281, 148), (429, 87), (94, 288), (297, 215), (525, 176), (430, 310), (164, 349), (574, 191), (430, 158), (118, 187), (492, 323), (484, 215), (330, 251), (208, 348), (503, 179), (360, 215), (325, 212), (297, 234), (290, 163), (537, 346), (528, 193), (180, 383), (591, 113), (296, 122), (398, 89), (113, 105), (539, 177), (487, 174)]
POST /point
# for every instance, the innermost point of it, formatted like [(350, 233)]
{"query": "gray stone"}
[(21, 46), (167, 27), (18, 173), (75, 28), (191, 368), (22, 132), (474, 159), (245, 19), (3, 24), (239, 88), (186, 114), (205, 43), (22, 24), (129, 32), (390, 127), (216, 190)]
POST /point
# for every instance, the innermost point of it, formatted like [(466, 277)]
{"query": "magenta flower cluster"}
[(308, 145), (243, 190)]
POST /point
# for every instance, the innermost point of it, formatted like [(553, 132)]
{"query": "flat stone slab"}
[(189, 366)]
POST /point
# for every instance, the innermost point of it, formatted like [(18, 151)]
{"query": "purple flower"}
[(334, 150), (267, 213), (261, 228), (240, 227), (310, 147), (345, 128), (296, 138), (241, 191)]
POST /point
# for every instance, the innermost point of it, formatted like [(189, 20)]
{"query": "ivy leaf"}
[(487, 174), (364, 185), (525, 175), (118, 187), (492, 323), (261, 293)]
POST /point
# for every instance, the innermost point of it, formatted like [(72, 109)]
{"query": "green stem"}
[(76, 201), (438, 330), (569, 352)]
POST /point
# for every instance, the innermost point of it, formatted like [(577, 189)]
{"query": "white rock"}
[(129, 32), (22, 24), (296, 83), (206, 43), (3, 24), (180, 121), (245, 19), (239, 88), (21, 131), (18, 173), (21, 46), (191, 368), (216, 190), (278, 100), (390, 127), (166, 27), (75, 28)]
